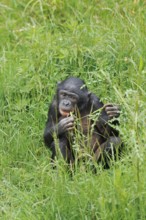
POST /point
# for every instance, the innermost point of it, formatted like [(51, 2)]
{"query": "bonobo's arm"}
[(51, 121), (108, 112), (54, 125)]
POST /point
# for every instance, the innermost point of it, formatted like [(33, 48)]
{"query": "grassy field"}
[(41, 43)]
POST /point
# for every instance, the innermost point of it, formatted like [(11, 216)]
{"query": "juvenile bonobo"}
[(73, 98)]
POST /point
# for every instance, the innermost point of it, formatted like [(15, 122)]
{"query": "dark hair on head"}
[(73, 84)]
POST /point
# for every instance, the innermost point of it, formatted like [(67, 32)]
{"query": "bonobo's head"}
[(72, 93)]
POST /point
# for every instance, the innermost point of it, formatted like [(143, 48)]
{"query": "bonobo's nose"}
[(66, 102)]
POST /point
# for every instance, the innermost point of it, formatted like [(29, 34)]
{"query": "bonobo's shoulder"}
[(54, 102), (52, 106), (95, 101)]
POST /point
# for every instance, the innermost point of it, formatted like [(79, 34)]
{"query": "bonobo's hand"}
[(112, 110), (66, 124)]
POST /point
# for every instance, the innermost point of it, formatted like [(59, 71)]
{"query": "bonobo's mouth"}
[(64, 113)]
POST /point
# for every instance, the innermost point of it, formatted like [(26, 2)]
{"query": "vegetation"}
[(41, 43)]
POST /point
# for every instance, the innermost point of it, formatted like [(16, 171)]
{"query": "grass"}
[(41, 43)]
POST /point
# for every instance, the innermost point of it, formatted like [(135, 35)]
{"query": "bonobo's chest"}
[(86, 124), (88, 131)]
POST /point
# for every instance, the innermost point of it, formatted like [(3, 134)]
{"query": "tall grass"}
[(41, 43)]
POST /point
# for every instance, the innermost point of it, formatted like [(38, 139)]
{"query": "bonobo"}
[(73, 100)]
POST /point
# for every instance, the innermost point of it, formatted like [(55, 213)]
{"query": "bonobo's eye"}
[(73, 98), (63, 94)]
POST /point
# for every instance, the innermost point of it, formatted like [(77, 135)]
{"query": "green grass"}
[(41, 43)]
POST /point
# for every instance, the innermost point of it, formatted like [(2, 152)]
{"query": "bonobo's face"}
[(72, 93), (67, 102)]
